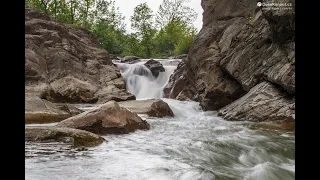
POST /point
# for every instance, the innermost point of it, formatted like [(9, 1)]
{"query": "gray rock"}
[(264, 102)]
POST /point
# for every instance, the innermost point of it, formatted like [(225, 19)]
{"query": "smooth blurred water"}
[(140, 81)]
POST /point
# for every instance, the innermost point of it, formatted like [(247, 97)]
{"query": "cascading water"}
[(193, 145), (140, 81)]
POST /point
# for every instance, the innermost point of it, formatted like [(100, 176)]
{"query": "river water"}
[(193, 145)]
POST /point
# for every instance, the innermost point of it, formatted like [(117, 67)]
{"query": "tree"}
[(142, 21), (109, 26), (173, 10)]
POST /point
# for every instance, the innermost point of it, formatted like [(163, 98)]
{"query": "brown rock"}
[(152, 107), (42, 111), (76, 137), (64, 63), (108, 118), (264, 102)]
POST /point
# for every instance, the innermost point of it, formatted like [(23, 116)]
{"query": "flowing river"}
[(193, 145)]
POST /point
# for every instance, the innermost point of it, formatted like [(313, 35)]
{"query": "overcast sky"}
[(127, 6)]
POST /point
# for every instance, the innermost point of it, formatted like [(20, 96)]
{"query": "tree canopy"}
[(167, 32)]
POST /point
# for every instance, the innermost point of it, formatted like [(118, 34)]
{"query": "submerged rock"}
[(264, 102), (64, 63), (108, 118), (155, 67), (75, 137), (151, 107), (42, 111)]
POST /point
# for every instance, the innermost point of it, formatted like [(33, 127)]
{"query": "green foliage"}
[(175, 10), (172, 36)]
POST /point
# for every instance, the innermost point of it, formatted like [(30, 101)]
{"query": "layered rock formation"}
[(64, 63), (240, 46)]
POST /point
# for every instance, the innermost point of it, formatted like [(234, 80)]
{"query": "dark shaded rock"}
[(152, 107), (42, 111), (179, 86), (282, 22), (155, 67), (114, 57), (264, 102), (75, 137), (130, 59), (64, 63), (108, 118)]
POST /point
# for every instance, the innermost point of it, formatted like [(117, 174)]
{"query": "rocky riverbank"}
[(65, 65)]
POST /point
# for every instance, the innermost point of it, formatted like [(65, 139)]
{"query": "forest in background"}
[(167, 32)]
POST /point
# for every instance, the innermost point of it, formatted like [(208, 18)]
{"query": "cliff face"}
[(64, 63), (240, 46)]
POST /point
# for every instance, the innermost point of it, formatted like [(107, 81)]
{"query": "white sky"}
[(127, 7)]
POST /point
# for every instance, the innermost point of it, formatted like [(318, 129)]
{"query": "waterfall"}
[(140, 81)]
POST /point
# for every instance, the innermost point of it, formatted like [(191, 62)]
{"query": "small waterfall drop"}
[(140, 81)]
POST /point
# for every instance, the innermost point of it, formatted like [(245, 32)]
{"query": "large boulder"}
[(108, 118), (155, 67), (130, 59), (64, 63), (239, 46), (75, 137), (264, 102), (151, 107), (42, 111)]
